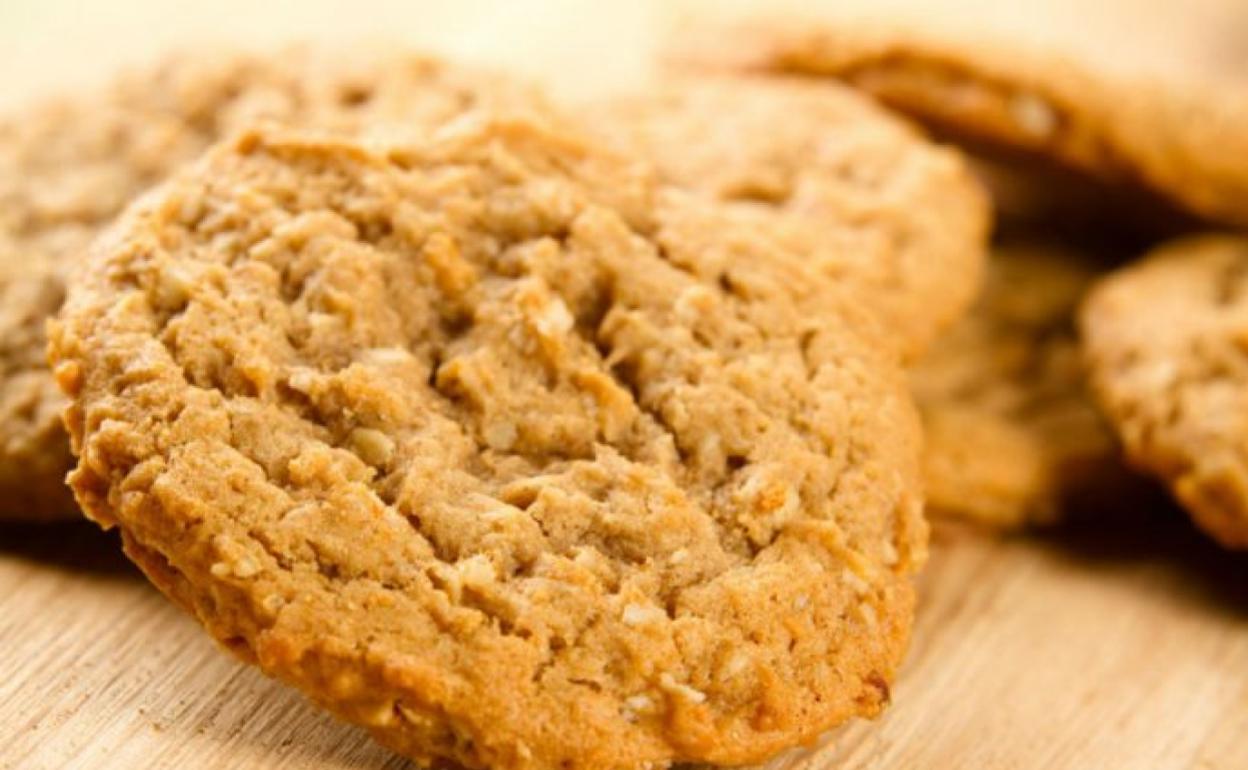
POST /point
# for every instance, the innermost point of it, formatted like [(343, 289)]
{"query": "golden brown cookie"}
[(1143, 92), (1165, 341), (1011, 436), (466, 441), (68, 165), (895, 220)]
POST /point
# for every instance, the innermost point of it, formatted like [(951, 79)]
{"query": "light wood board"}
[(1111, 644)]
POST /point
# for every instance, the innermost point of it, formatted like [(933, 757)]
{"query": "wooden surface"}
[(1110, 644)]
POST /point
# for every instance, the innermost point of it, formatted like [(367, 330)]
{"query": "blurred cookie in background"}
[(1012, 437), (1133, 93), (1166, 342), (895, 220)]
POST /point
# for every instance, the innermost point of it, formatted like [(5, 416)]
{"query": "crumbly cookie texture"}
[(894, 219), (69, 165), (1012, 437), (1164, 340), (466, 441), (1165, 107)]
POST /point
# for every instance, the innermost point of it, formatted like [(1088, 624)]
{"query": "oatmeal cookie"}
[(1144, 92), (1165, 340), (893, 218), (1012, 437), (465, 440)]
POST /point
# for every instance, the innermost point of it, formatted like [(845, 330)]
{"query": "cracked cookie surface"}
[(894, 219), (68, 165), (1011, 435), (1165, 342), (1165, 107), (476, 443)]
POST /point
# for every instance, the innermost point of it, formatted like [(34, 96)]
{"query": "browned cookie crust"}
[(1139, 91), (466, 441), (1165, 340), (895, 220), (68, 165), (1012, 437)]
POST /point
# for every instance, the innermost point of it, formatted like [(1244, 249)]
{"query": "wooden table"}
[(1106, 644)]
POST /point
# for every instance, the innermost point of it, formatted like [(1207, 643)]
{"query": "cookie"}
[(1012, 438), (68, 165), (33, 444), (1139, 92), (465, 441), (894, 219), (1164, 342)]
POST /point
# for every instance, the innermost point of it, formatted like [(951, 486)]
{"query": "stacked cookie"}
[(527, 436)]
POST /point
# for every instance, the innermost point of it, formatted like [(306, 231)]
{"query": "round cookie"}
[(68, 165), (897, 221), (1164, 340), (1011, 436), (1144, 92), (465, 441)]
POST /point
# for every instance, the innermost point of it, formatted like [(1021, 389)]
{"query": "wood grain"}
[(1109, 644)]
